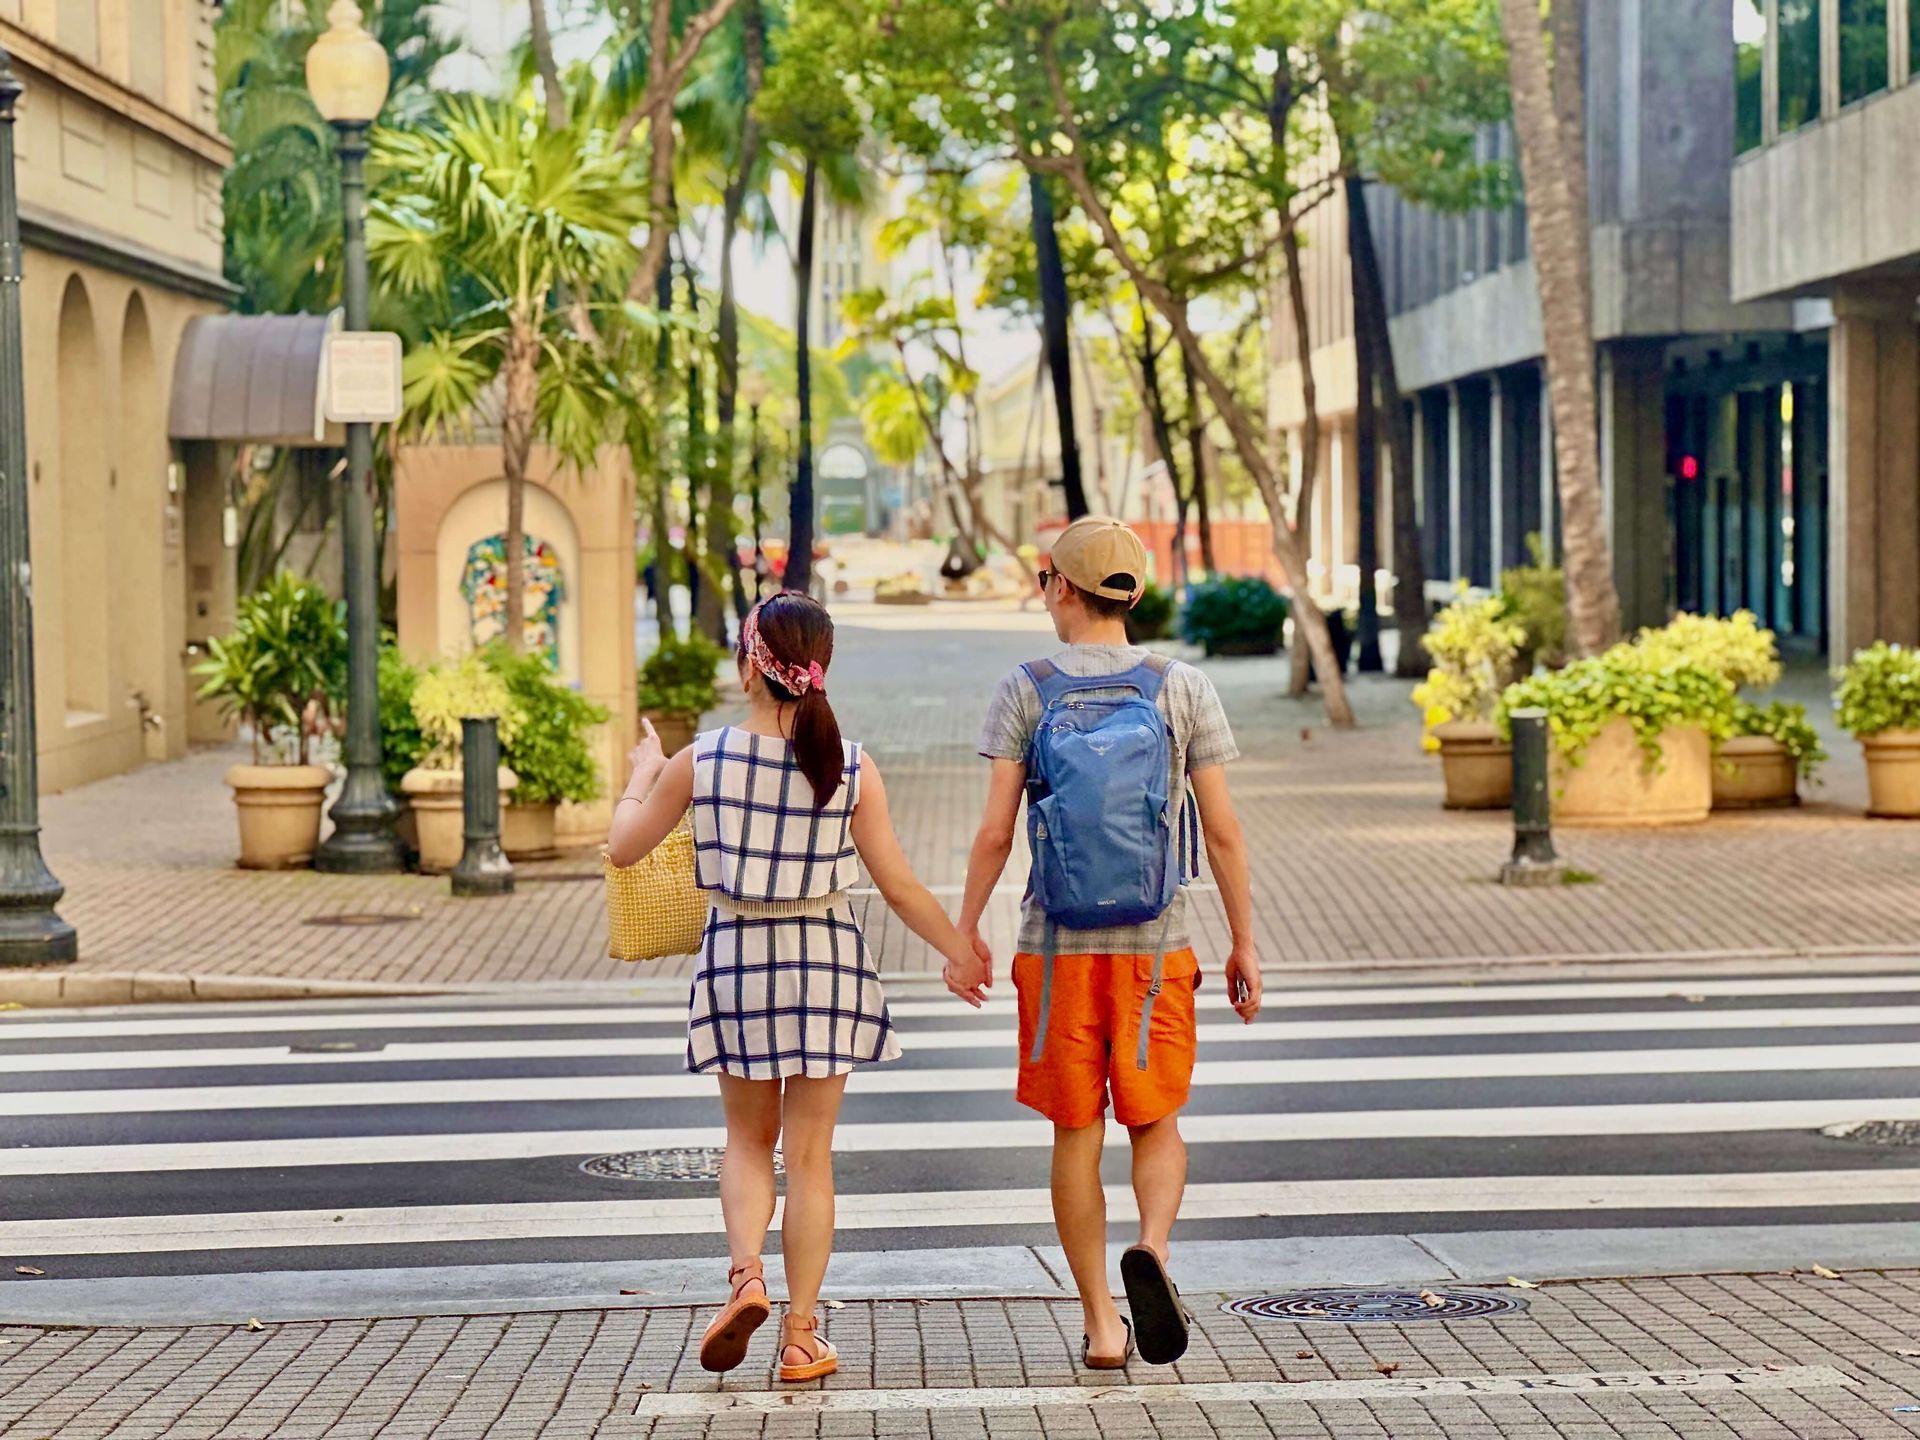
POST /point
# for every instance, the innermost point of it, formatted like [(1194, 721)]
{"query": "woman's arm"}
[(656, 797), (887, 863)]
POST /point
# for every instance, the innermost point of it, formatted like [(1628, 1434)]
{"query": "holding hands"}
[(969, 972)]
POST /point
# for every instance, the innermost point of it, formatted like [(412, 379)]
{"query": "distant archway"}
[(83, 509), (141, 603)]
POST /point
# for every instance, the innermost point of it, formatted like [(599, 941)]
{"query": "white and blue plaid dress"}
[(785, 985)]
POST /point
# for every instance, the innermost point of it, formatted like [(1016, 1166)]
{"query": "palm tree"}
[(491, 202)]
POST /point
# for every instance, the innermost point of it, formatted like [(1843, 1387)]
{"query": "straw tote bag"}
[(654, 908)]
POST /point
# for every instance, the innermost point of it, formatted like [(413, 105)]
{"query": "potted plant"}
[(1534, 597), (1878, 703), (1151, 617), (279, 673), (1234, 615), (906, 589), (1760, 765), (1472, 644), (549, 753), (677, 687), (1633, 736), (447, 694)]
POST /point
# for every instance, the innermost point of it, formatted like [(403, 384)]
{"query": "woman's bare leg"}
[(746, 1172), (806, 1234)]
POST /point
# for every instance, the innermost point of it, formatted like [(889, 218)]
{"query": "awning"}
[(253, 378)]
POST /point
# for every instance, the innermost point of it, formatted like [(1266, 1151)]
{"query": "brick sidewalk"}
[(1356, 862), (580, 1374)]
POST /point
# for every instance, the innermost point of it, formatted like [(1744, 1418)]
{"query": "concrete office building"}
[(1712, 381)]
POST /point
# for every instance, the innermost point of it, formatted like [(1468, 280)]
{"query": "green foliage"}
[(1535, 596), (1152, 617), (1234, 615), (678, 678), (1879, 690), (549, 750), (1628, 683), (1786, 723), (283, 667), (1474, 645), (1736, 648), (402, 746), (452, 691)]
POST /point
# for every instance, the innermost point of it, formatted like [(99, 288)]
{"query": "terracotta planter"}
[(1754, 772), (438, 814), (279, 808), (1477, 764), (527, 831), (676, 732), (1614, 785), (1893, 774)]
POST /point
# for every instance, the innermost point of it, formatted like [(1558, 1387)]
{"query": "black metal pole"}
[(1533, 861), (31, 932), (484, 868), (363, 840)]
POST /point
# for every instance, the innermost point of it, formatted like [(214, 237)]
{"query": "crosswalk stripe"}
[(896, 1080), (996, 1039), (939, 1006), (386, 1225), (896, 1139)]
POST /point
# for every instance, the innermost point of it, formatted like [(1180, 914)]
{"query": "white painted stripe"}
[(983, 1038), (851, 1138), (919, 1211), (898, 1080), (1278, 998), (1592, 1385)]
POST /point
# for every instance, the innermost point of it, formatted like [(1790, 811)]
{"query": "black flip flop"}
[(1107, 1362), (1160, 1320)]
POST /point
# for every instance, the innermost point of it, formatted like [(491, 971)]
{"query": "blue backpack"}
[(1110, 845)]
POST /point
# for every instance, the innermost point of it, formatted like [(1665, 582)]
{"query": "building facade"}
[(120, 165), (1713, 388)]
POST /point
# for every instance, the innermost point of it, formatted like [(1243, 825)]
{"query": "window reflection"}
[(1799, 62), (1863, 48), (1749, 54)]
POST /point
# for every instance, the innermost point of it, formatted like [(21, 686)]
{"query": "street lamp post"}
[(347, 74), (31, 933)]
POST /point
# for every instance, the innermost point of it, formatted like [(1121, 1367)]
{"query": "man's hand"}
[(1243, 982)]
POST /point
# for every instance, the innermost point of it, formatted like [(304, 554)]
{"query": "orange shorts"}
[(1093, 1037)]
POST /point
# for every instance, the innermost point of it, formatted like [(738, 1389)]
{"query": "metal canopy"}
[(254, 378)]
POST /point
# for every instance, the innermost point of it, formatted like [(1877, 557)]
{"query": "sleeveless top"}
[(757, 836)]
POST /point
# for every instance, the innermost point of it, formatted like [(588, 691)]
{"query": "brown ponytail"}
[(799, 632)]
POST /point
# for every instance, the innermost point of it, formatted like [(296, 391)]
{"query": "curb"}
[(42, 989)]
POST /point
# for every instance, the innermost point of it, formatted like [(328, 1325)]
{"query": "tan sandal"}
[(818, 1357), (724, 1345)]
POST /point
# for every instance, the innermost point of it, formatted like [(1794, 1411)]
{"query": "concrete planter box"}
[(1614, 785), (1754, 772), (527, 831), (439, 816), (279, 808), (1893, 774), (1477, 765)]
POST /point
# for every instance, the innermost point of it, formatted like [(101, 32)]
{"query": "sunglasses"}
[(1045, 578)]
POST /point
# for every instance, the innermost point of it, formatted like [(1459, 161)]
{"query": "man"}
[(1082, 1017)]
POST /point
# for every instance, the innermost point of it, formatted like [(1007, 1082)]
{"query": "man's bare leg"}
[(1159, 1179), (1080, 1215)]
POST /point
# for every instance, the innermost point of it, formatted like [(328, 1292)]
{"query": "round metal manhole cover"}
[(360, 918), (1360, 1306), (1877, 1132), (694, 1162)]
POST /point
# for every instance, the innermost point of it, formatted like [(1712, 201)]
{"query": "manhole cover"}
[(695, 1162), (366, 917), (1877, 1132), (1358, 1307)]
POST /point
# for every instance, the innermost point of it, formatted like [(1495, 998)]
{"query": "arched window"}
[(82, 479)]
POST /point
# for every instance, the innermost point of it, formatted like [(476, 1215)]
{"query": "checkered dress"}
[(779, 995)]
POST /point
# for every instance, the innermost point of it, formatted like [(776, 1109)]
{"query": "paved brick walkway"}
[(585, 1373), (1357, 864)]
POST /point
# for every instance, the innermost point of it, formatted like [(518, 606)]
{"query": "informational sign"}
[(363, 377)]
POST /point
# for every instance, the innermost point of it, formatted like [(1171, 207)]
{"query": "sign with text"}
[(363, 377)]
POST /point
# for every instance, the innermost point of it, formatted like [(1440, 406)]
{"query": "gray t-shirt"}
[(1201, 737)]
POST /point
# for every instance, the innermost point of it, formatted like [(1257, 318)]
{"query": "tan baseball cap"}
[(1102, 556)]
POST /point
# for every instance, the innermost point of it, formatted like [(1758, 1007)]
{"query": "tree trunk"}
[(1055, 320), (1366, 436), (664, 559), (1559, 249), (1370, 315), (722, 540), (542, 38), (1302, 521), (521, 398), (1197, 467), (1101, 481), (705, 519), (799, 575), (1161, 428)]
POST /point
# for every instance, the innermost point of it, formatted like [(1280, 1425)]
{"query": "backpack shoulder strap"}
[(1049, 681), (1151, 674)]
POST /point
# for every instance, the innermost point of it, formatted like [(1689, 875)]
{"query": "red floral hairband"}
[(797, 678)]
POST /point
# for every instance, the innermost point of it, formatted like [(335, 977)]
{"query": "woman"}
[(786, 1000)]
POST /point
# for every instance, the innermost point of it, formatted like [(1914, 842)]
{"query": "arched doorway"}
[(144, 603), (83, 598)]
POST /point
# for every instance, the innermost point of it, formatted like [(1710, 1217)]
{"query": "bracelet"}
[(637, 799)]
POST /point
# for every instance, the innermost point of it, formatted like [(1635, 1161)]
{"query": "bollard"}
[(484, 868), (1533, 861)]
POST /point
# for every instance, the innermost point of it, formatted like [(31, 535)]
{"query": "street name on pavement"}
[(363, 377), (1437, 1387)]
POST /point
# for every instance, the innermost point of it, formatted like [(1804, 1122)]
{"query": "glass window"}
[(1863, 48), (1799, 62), (1749, 55)]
